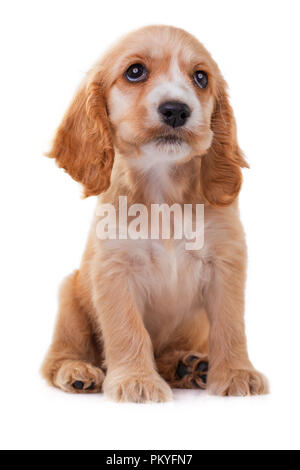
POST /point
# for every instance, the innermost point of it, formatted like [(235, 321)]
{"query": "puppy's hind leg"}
[(71, 361), (184, 363)]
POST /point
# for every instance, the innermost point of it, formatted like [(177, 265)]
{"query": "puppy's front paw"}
[(237, 382), (137, 388)]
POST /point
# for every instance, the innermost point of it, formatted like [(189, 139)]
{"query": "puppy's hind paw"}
[(192, 371)]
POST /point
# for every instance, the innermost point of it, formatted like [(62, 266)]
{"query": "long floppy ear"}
[(221, 175), (83, 143)]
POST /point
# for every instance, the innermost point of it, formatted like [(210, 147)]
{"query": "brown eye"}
[(201, 78), (136, 73)]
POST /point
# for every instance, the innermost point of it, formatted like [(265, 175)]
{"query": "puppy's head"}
[(158, 97)]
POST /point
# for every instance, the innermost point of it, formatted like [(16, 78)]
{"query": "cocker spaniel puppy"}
[(152, 125)]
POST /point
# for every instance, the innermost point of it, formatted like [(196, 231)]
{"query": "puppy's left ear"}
[(221, 175), (83, 142)]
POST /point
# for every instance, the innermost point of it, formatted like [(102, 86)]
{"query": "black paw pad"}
[(202, 366), (181, 370), (78, 385)]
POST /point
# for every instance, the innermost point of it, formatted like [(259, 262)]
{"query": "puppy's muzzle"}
[(174, 113)]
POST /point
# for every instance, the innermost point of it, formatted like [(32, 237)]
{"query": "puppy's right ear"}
[(83, 142)]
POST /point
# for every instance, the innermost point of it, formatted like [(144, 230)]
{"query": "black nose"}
[(174, 113)]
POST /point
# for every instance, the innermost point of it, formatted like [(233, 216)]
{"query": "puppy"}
[(152, 123)]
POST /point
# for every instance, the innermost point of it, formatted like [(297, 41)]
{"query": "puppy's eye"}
[(201, 78), (136, 73)]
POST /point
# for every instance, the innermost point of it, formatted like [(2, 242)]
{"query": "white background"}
[(46, 47)]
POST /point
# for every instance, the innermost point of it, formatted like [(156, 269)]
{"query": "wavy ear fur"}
[(83, 143), (221, 175)]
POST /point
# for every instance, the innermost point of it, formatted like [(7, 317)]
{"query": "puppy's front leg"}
[(131, 374), (231, 372)]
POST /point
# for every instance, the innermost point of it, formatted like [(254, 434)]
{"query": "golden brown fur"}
[(83, 145), (137, 313)]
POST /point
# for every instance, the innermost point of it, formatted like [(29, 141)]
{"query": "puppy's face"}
[(160, 96)]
